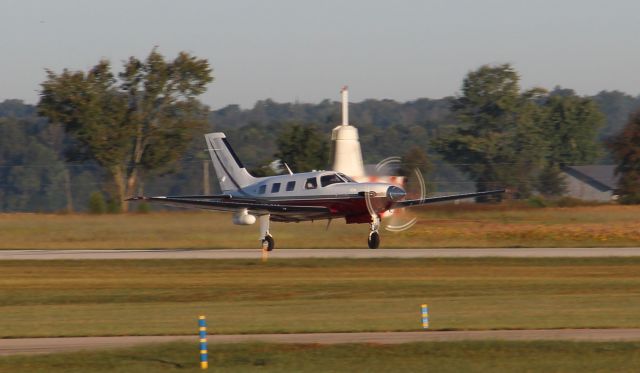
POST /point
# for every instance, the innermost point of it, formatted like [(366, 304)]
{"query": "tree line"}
[(141, 131)]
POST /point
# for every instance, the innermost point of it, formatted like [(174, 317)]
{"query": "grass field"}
[(439, 226), (155, 297), (415, 357)]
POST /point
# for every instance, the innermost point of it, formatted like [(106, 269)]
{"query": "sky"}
[(299, 50)]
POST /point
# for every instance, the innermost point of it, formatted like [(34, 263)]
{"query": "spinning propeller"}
[(414, 185)]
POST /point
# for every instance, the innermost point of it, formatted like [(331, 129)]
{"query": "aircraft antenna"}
[(288, 169)]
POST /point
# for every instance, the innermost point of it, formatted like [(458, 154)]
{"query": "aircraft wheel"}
[(268, 243), (374, 240)]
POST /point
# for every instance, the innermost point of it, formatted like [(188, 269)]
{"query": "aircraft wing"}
[(226, 203), (424, 201)]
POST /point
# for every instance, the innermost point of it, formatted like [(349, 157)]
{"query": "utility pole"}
[(67, 190), (206, 189)]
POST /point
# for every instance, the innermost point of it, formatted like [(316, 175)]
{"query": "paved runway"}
[(320, 253), (50, 345)]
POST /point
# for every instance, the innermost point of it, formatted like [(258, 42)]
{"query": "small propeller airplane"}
[(296, 197)]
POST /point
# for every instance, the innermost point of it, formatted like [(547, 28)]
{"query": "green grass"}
[(487, 356), (76, 298), (439, 226)]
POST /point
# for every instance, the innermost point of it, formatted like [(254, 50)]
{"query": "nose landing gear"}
[(374, 236), (374, 240)]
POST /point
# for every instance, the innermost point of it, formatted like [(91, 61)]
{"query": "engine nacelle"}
[(243, 218)]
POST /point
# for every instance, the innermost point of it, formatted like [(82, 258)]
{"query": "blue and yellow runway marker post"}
[(425, 316), (202, 323)]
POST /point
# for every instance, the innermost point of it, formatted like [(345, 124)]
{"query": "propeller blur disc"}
[(401, 219)]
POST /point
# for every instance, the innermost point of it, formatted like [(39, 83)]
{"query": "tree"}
[(519, 140), (551, 182), (31, 174), (626, 151), (140, 121), (616, 106), (416, 160), (303, 147), (570, 126), (498, 143)]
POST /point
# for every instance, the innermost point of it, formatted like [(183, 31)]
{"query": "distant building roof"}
[(599, 176)]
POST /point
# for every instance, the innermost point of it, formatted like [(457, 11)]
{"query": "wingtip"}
[(136, 198)]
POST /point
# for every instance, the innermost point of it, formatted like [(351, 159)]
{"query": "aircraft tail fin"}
[(231, 173)]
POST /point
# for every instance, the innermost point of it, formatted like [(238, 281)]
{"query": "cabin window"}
[(275, 188), (262, 189), (330, 179), (291, 186), (311, 183)]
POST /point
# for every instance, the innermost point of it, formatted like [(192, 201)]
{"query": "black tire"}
[(268, 243), (374, 240)]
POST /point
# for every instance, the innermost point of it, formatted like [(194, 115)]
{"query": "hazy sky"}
[(302, 50)]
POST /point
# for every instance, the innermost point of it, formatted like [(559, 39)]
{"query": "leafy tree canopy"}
[(31, 174), (498, 138), (139, 121), (510, 139), (303, 147), (571, 126), (626, 152)]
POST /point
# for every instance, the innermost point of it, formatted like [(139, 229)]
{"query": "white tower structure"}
[(347, 156)]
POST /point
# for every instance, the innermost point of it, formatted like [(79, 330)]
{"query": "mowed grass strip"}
[(489, 356), (156, 297), (467, 225)]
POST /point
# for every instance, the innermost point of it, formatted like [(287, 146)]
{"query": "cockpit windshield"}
[(346, 178), (330, 179)]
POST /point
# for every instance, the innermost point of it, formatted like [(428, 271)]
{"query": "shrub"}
[(113, 207), (575, 202), (537, 201), (143, 208), (97, 204)]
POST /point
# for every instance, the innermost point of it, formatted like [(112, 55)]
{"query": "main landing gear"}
[(267, 239), (268, 243), (374, 236)]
